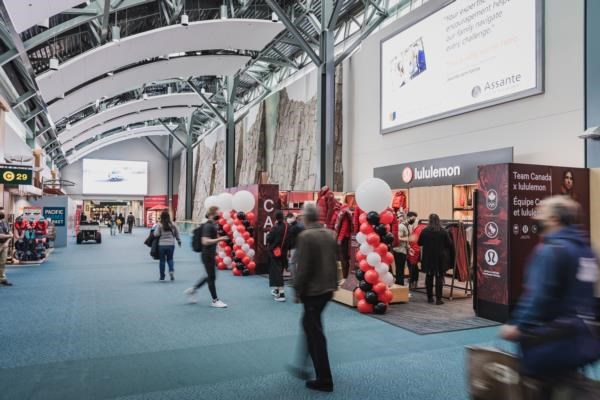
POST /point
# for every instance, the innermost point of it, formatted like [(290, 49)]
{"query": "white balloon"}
[(211, 201), (243, 201), (361, 237), (366, 248), (382, 269), (246, 247), (373, 194), (225, 202), (240, 241), (250, 253), (388, 279), (374, 259), (227, 260)]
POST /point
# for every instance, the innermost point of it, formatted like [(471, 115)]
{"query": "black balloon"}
[(365, 286), (246, 223), (241, 215), (388, 238), (360, 275), (373, 218), (245, 272), (371, 297), (380, 230), (380, 308), (250, 231)]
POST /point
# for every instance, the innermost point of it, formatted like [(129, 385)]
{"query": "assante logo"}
[(511, 80)]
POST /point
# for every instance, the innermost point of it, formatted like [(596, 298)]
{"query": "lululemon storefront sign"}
[(455, 170)]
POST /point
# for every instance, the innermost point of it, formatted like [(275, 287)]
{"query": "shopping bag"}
[(492, 374)]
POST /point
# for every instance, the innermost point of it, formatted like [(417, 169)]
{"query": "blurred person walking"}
[(130, 222), (5, 236), (296, 227), (210, 239), (315, 282), (113, 224), (167, 234), (120, 222), (555, 318)]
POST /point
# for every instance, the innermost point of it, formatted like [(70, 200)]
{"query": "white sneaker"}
[(274, 292), (218, 304), (279, 297), (191, 292)]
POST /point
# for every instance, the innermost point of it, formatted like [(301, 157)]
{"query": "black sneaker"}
[(439, 302), (6, 283), (430, 300), (280, 297), (172, 276), (320, 386)]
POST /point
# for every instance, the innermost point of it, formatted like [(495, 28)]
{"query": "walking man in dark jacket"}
[(130, 222), (559, 300), (315, 282)]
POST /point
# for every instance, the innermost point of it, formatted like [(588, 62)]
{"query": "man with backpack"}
[(205, 240), (555, 320)]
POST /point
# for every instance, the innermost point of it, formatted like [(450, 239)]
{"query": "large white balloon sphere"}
[(361, 237), (243, 201), (365, 248), (225, 202), (240, 241), (246, 248), (227, 260), (250, 253), (374, 259), (373, 195), (382, 269), (211, 201), (388, 279)]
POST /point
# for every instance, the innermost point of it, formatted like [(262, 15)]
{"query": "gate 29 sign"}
[(15, 174)]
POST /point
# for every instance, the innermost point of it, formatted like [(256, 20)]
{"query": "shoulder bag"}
[(277, 250)]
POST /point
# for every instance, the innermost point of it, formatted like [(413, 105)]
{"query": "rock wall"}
[(250, 146)]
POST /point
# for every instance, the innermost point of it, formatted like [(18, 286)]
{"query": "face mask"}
[(216, 218), (291, 221), (411, 221)]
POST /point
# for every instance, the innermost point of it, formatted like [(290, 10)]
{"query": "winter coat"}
[(278, 237), (438, 252), (343, 224), (325, 204), (316, 272)]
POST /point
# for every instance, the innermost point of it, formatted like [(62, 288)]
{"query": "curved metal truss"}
[(78, 30)]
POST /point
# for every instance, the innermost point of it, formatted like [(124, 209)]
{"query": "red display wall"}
[(154, 201), (506, 230)]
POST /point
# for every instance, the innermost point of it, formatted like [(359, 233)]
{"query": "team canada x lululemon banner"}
[(506, 230), (374, 256)]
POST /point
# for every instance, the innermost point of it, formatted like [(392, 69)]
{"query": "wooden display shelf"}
[(346, 296)]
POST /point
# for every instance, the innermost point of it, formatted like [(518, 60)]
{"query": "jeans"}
[(211, 276), (165, 253), (400, 261), (113, 229), (130, 228), (315, 335), (414, 273), (3, 257), (344, 256)]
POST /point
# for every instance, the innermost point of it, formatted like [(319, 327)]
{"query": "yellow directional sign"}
[(15, 174)]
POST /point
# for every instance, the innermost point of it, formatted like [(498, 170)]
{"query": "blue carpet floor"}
[(94, 323)]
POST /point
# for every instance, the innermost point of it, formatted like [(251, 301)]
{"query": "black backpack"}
[(197, 239)]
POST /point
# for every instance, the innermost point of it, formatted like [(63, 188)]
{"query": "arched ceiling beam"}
[(135, 77), (135, 118), (235, 34), (154, 102), (146, 131), (25, 14)]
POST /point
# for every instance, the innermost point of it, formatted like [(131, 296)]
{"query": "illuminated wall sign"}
[(15, 174)]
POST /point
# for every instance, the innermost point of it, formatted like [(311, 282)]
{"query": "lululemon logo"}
[(491, 257), (407, 175)]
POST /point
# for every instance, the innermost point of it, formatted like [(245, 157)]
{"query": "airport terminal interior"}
[(277, 199)]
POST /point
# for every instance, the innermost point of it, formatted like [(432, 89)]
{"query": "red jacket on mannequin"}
[(325, 205)]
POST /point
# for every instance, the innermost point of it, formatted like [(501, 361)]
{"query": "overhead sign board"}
[(16, 174)]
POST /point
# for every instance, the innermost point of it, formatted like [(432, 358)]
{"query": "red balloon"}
[(382, 249), (362, 218), (246, 235), (236, 272), (360, 256), (373, 239), (237, 247), (364, 307), (250, 216), (388, 296), (241, 228), (240, 254), (222, 221), (222, 244), (371, 276), (251, 266), (250, 242), (364, 266), (386, 217), (227, 250), (388, 258), (227, 228), (233, 265), (380, 288), (222, 265), (246, 260), (366, 229), (359, 294)]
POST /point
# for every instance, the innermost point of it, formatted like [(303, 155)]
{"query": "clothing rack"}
[(468, 288)]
